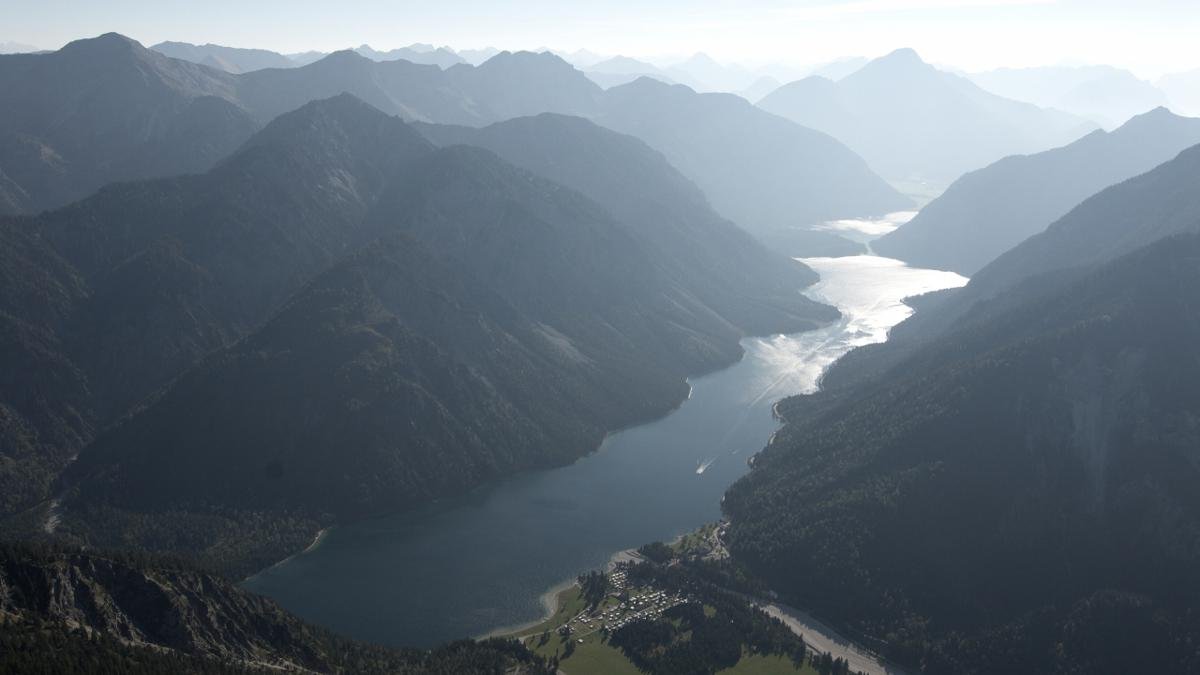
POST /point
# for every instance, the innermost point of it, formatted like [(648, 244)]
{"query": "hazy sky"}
[(1149, 36)]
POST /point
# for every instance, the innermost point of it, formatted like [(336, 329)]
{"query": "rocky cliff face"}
[(99, 613)]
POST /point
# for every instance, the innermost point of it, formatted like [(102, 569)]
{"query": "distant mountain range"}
[(782, 174), (1009, 482), (761, 171), (1183, 91), (620, 70), (105, 110), (987, 212), (236, 60), (228, 59), (16, 48), (1106, 95), (911, 121)]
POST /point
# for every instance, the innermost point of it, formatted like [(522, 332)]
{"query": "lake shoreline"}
[(419, 575), (492, 484)]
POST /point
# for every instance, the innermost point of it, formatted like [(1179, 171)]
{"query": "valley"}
[(813, 338), (469, 565)]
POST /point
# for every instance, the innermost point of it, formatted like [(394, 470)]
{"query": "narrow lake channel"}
[(467, 566)]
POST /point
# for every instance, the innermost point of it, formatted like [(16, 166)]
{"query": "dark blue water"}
[(468, 566)]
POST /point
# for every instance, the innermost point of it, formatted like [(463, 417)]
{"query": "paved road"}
[(823, 638)]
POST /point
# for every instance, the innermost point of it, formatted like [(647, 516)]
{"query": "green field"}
[(757, 664)]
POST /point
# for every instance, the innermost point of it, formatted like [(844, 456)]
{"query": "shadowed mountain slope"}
[(341, 319), (992, 210), (726, 268), (1018, 493), (73, 611), (103, 110)]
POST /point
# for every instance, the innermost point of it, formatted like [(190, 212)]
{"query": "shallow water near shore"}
[(466, 566)]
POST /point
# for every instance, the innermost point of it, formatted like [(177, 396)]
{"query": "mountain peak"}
[(343, 107), (1151, 121), (1158, 113), (904, 55), (901, 63), (110, 43), (342, 120), (343, 57), (700, 58), (524, 56)]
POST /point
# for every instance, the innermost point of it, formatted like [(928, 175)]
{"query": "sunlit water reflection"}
[(865, 229)]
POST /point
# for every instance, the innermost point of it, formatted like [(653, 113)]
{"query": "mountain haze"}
[(104, 110), (912, 121), (991, 210), (228, 59), (1106, 95), (725, 267), (761, 171)]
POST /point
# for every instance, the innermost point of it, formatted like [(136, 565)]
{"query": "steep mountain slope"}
[(758, 170), (105, 301), (1159, 203), (116, 614), (761, 171), (105, 110), (230, 59), (493, 321), (1119, 219), (911, 121), (991, 210), (1106, 95), (167, 283), (1019, 494), (723, 266)]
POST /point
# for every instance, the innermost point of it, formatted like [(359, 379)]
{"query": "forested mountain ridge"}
[(1117, 220), (107, 300), (103, 110), (66, 611), (989, 211), (1008, 482), (307, 382), (1038, 467), (726, 267), (162, 116)]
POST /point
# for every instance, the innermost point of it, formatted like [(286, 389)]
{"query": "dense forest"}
[(333, 323), (1024, 497)]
